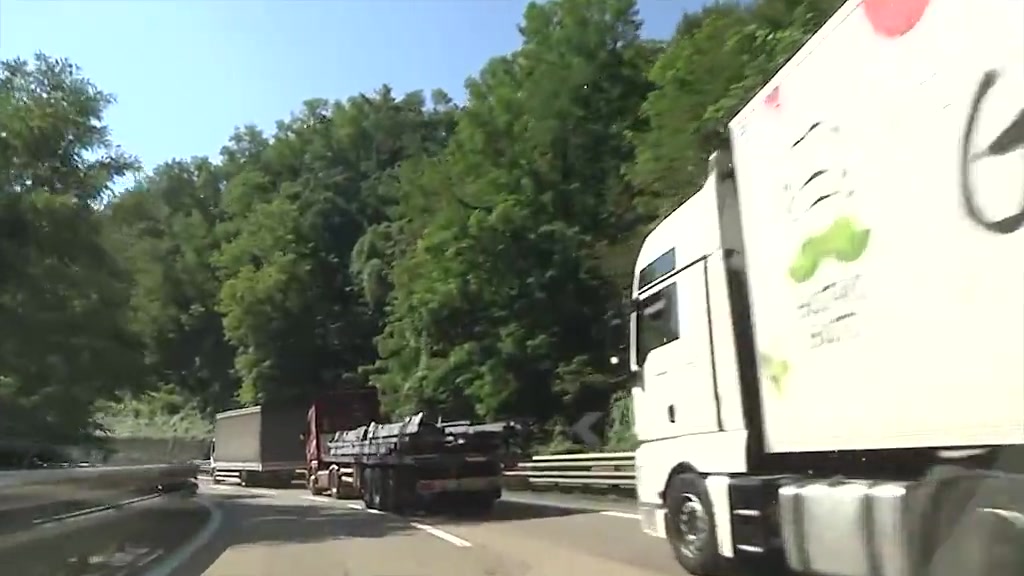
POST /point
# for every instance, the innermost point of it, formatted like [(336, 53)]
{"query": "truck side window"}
[(657, 321)]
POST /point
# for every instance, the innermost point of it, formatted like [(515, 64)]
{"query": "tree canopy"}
[(465, 258)]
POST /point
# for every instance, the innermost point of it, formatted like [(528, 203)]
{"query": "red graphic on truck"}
[(894, 18)]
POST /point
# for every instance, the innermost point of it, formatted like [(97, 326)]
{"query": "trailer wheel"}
[(366, 486), (387, 489), (689, 525), (376, 488), (404, 494), (479, 502)]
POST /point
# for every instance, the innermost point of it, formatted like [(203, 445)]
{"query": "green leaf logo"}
[(844, 241), (776, 371)]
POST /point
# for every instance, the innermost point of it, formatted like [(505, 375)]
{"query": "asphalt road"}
[(125, 543), (263, 532)]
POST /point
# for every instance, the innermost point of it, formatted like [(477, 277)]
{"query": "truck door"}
[(674, 350)]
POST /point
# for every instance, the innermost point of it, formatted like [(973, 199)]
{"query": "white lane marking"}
[(169, 564), (318, 498), (260, 491), (438, 533), (365, 509), (621, 514)]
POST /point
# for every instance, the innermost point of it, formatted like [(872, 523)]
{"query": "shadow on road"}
[(122, 545), (504, 511), (252, 521)]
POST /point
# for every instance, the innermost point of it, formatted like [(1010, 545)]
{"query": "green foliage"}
[(160, 413), (467, 260), (63, 297)]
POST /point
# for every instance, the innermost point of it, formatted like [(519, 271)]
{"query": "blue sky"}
[(186, 72)]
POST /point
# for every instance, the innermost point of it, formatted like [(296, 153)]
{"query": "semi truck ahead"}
[(828, 336), (412, 463)]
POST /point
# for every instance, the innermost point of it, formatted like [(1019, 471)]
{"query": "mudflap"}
[(967, 522)]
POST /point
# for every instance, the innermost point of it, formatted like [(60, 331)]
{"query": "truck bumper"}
[(652, 519), (479, 484)]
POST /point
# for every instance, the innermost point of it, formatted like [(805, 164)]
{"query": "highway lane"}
[(126, 542), (289, 532)]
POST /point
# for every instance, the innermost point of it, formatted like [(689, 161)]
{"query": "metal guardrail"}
[(46, 501), (596, 470)]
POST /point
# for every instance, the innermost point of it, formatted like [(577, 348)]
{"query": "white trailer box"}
[(881, 180), (829, 334)]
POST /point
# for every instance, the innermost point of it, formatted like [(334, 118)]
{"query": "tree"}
[(468, 260), (63, 298)]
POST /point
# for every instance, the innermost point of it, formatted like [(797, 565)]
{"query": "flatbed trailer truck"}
[(828, 337), (415, 463)]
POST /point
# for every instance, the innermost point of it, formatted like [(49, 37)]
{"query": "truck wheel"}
[(689, 525), (404, 489), (366, 487), (334, 481), (387, 489), (376, 488), (311, 484), (399, 501), (480, 502)]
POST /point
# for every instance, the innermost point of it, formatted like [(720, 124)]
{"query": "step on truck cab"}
[(828, 336)]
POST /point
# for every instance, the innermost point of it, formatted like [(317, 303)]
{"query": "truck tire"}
[(334, 484), (376, 488), (311, 484), (689, 525), (366, 486), (404, 489), (480, 502), (387, 489)]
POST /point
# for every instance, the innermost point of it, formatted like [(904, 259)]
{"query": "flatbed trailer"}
[(415, 463)]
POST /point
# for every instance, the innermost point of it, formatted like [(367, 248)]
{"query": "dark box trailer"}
[(259, 445)]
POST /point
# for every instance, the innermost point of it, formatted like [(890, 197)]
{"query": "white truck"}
[(828, 336)]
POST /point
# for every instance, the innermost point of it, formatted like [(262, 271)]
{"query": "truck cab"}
[(688, 394), (827, 334), (328, 415)]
